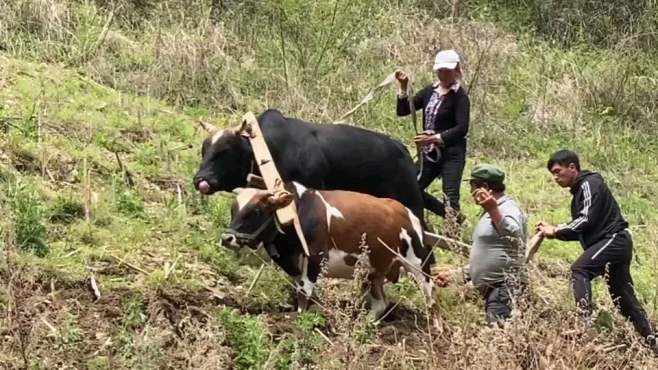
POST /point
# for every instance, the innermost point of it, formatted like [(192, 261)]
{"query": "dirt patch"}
[(56, 323), (136, 135), (67, 129), (54, 164)]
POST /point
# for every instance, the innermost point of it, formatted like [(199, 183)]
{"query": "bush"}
[(28, 217), (247, 336), (66, 209)]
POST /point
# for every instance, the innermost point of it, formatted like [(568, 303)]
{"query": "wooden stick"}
[(94, 287), (533, 246), (323, 336), (179, 193), (170, 269), (256, 278), (446, 243), (136, 268), (50, 326), (403, 259), (87, 189)]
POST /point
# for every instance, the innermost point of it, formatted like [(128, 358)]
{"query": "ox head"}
[(253, 217), (226, 159)]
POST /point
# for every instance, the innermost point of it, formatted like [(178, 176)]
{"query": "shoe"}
[(653, 344), (461, 218)]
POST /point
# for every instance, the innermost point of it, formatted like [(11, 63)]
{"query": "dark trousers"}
[(497, 304), (450, 168), (498, 300), (610, 257)]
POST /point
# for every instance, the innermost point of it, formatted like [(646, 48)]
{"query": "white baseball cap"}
[(446, 59)]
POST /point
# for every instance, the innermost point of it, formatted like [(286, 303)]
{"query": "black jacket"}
[(451, 120), (594, 210)]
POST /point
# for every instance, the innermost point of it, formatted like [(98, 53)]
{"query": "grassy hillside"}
[(99, 102)]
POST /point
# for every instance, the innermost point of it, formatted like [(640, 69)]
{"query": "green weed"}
[(247, 336), (28, 216)]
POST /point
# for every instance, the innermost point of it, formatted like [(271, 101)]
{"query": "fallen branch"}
[(128, 264), (323, 336), (50, 326), (613, 348), (127, 176), (170, 269), (86, 173), (256, 278)]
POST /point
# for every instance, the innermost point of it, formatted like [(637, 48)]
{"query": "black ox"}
[(320, 156)]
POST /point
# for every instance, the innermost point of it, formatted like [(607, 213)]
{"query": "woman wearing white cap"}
[(446, 111)]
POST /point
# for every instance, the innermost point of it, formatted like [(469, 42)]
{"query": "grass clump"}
[(66, 209), (248, 338), (28, 218)]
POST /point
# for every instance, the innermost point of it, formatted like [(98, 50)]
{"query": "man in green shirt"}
[(497, 261)]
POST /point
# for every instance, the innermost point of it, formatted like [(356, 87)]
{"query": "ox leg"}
[(426, 284), (305, 285), (413, 264), (377, 297)]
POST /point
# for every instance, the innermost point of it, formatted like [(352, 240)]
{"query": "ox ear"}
[(209, 128), (255, 181), (240, 128), (280, 199)]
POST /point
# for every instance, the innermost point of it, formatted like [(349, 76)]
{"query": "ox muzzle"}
[(234, 239)]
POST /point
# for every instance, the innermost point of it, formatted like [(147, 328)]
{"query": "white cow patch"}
[(413, 265), (245, 195), (377, 307), (217, 135), (331, 211), (410, 256), (336, 266), (305, 285), (301, 189), (415, 224)]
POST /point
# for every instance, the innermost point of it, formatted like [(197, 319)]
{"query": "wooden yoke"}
[(265, 163)]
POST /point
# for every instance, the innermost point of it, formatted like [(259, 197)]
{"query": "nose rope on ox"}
[(250, 237)]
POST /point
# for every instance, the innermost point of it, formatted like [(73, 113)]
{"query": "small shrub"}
[(309, 320), (66, 209), (28, 219), (130, 204), (132, 318), (247, 337)]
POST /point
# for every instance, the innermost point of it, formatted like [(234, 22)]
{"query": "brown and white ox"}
[(334, 224)]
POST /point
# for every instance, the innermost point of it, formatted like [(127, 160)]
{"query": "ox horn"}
[(209, 128), (242, 128)]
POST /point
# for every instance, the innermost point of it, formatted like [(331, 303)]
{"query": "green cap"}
[(487, 173)]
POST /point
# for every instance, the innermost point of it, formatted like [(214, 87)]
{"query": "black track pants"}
[(610, 257)]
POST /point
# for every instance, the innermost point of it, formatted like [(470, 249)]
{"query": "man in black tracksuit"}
[(604, 235)]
